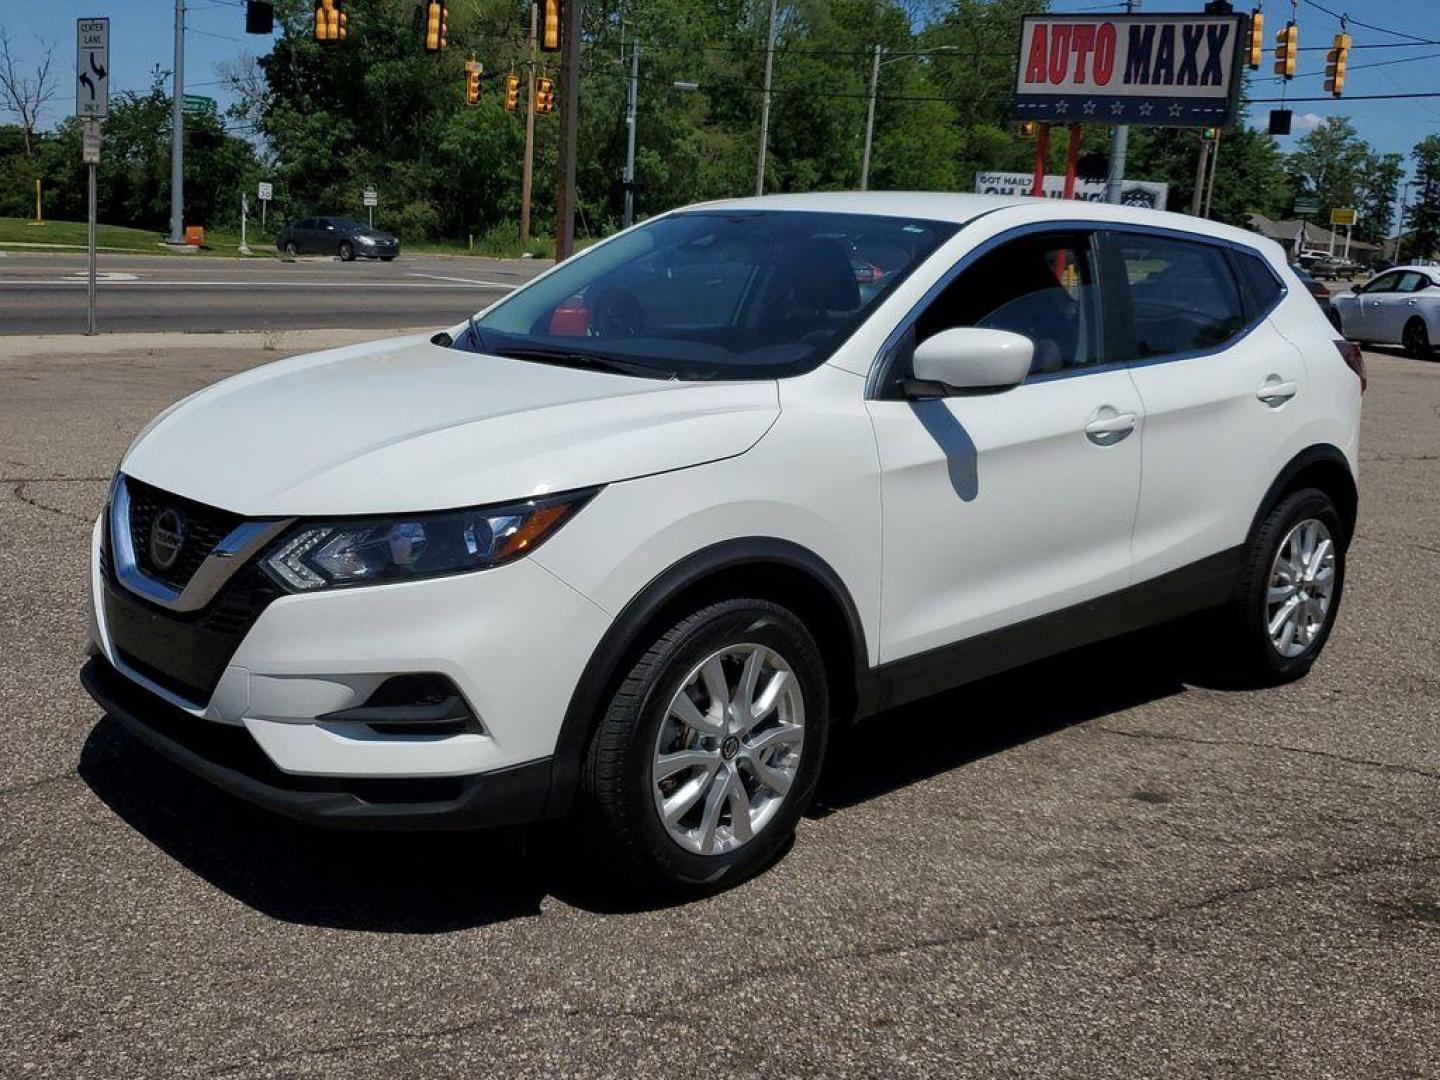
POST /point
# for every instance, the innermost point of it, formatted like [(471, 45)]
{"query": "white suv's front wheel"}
[(710, 749)]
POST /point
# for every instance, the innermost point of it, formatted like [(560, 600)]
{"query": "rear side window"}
[(1183, 295), (1261, 286)]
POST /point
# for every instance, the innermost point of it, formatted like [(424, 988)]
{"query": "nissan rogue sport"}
[(628, 543)]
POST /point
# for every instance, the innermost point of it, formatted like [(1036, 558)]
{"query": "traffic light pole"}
[(177, 133), (569, 120), (630, 110), (529, 132)]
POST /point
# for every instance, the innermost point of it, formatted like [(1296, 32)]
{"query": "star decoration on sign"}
[(1176, 109), (1062, 107), (1146, 109), (1089, 108), (1117, 108)]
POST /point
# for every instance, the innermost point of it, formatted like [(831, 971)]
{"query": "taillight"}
[(1354, 360)]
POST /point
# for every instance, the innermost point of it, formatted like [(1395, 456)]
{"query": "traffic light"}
[(1287, 44), (329, 20), (1210, 134), (550, 26), (1257, 38), (512, 92), (473, 71), (1335, 62), (1027, 129), (437, 20), (259, 17), (544, 95)]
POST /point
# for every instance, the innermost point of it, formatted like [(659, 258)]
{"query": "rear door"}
[(1215, 378), (1395, 308)]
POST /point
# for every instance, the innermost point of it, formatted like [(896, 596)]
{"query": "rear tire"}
[(1416, 340), (290, 248), (1287, 595), (682, 707)]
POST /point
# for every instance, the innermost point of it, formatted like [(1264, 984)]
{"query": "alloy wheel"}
[(1302, 584), (728, 749)]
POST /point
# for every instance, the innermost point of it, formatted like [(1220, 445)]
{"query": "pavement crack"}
[(32, 785), (1399, 543), (54, 479), (19, 492), (1161, 736), (380, 1042)]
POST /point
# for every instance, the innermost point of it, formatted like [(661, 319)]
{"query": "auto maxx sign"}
[(1161, 70)]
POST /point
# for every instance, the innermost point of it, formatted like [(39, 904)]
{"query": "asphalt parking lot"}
[(1088, 868)]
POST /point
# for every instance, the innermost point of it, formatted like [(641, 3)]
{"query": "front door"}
[(1367, 307), (1003, 506)]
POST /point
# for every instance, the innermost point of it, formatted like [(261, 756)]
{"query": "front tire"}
[(347, 251), (290, 248), (1288, 593), (710, 749)]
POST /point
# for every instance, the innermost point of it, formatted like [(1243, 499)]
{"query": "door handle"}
[(1274, 392), (1411, 303), (1110, 429)]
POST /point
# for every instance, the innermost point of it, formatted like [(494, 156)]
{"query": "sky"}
[(142, 36)]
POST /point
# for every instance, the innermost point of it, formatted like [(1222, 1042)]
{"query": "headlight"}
[(367, 239), (320, 555)]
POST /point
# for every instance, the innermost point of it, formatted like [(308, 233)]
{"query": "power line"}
[(1349, 97), (1372, 26)]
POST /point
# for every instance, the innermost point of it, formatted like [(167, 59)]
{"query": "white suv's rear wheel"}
[(711, 747), (1288, 593)]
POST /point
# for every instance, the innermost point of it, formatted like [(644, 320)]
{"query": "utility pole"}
[(529, 132), (1119, 145), (765, 103), (569, 121), (1198, 201), (177, 133), (1399, 228), (870, 120), (1214, 164), (630, 136)]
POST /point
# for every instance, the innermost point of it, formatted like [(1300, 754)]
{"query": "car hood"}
[(404, 425)]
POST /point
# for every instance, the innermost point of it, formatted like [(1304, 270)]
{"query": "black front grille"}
[(205, 527)]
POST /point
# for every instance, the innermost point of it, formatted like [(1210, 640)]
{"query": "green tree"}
[(1379, 186), (1423, 217), (1330, 162)]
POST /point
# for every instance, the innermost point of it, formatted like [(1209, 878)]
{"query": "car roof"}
[(962, 207)]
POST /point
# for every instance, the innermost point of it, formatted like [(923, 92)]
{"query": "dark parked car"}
[(1319, 292), (341, 236)]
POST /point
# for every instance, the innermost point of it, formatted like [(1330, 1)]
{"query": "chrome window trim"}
[(879, 369), (219, 566)]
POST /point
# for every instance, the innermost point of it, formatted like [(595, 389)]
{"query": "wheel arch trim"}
[(650, 602), (1318, 457)]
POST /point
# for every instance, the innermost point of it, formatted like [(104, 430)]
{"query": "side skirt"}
[(1205, 584)]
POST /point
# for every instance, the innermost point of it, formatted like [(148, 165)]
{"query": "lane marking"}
[(467, 281), (480, 286)]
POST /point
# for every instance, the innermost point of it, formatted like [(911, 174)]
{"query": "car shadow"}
[(425, 883)]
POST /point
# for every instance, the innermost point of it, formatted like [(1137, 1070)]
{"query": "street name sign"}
[(194, 104), (92, 68), (1306, 205), (372, 197), (1342, 216), (1154, 70)]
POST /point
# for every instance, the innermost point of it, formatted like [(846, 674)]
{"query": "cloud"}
[(1309, 121)]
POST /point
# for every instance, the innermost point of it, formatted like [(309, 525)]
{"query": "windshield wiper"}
[(576, 358)]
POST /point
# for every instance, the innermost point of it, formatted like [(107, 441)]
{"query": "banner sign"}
[(1146, 193), (1153, 70)]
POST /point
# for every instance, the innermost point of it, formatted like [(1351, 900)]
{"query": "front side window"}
[(746, 294), (1383, 283), (1040, 286), (1182, 293)]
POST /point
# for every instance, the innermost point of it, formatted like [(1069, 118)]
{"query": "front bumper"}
[(227, 757)]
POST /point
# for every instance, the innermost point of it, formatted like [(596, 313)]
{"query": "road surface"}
[(45, 293)]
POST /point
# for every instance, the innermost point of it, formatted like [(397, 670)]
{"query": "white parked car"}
[(627, 544), (1399, 307)]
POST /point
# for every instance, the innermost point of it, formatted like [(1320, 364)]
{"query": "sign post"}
[(244, 211), (372, 200), (92, 104), (1342, 215), (266, 192)]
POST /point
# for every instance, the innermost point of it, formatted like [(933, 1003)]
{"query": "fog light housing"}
[(419, 703)]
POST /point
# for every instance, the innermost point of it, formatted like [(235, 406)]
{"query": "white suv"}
[(628, 543)]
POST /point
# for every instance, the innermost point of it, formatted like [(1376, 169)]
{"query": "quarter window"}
[(1183, 296), (1040, 286), (1261, 286)]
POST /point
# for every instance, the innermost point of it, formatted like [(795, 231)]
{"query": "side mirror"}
[(969, 358)]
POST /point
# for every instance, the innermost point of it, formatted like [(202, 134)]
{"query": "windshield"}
[(712, 294)]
